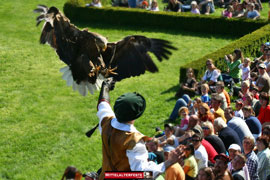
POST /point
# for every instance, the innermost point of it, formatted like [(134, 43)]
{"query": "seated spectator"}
[(268, 69), (263, 81), (154, 6), (190, 164), (220, 92), (194, 8), (238, 164), (237, 124), (266, 131), (227, 13), (152, 146), (95, 3), (252, 122), (121, 3), (216, 101), (252, 13), (205, 97), (249, 100), (204, 113), (214, 140), (206, 7), (205, 174), (144, 4), (188, 87), (252, 159), (168, 139), (132, 3), (184, 114), (233, 61), (174, 6), (238, 109), (240, 92), (245, 69), (264, 114), (200, 151), (175, 171), (239, 11), (221, 167), (211, 76), (253, 77), (263, 157), (225, 133), (182, 102)]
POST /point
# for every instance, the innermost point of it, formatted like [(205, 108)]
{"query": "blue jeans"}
[(181, 102)]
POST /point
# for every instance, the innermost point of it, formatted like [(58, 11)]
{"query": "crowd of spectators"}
[(233, 8), (222, 134)]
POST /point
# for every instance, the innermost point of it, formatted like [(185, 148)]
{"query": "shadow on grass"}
[(149, 29), (169, 90)]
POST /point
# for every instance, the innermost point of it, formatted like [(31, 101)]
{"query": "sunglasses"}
[(195, 140), (205, 128)]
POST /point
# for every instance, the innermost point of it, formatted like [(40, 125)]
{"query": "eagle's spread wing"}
[(90, 58), (131, 57), (80, 50)]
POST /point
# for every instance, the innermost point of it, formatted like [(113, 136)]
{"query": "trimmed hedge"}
[(249, 44), (162, 20)]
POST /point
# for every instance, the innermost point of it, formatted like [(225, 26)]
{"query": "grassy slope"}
[(43, 122)]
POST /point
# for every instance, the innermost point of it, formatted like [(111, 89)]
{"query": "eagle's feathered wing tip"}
[(84, 86)]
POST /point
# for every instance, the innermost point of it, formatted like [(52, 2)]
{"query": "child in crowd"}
[(219, 90), (154, 6), (238, 109), (95, 3), (184, 114), (144, 4), (194, 8), (227, 13), (194, 106), (205, 97), (245, 69), (254, 77)]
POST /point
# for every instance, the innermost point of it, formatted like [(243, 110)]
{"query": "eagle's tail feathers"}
[(84, 86)]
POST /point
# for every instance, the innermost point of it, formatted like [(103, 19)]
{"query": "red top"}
[(264, 114), (210, 150)]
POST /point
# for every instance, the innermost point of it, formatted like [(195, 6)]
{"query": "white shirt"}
[(212, 75), (137, 157), (245, 72), (201, 156)]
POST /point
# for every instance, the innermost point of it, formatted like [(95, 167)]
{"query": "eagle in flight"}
[(90, 58)]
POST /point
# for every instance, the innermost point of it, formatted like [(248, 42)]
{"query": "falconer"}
[(123, 146)]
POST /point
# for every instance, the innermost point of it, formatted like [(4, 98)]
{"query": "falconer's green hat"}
[(129, 106)]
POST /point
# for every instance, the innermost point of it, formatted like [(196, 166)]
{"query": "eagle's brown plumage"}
[(90, 58)]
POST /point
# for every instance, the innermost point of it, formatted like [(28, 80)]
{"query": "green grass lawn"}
[(43, 121)]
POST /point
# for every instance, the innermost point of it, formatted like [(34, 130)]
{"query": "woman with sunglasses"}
[(214, 140)]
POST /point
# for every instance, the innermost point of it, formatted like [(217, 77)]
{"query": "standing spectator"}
[(252, 122), (263, 157), (194, 8), (263, 82), (237, 124), (226, 134), (220, 168), (245, 69), (214, 140), (264, 114), (252, 13), (252, 159)]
